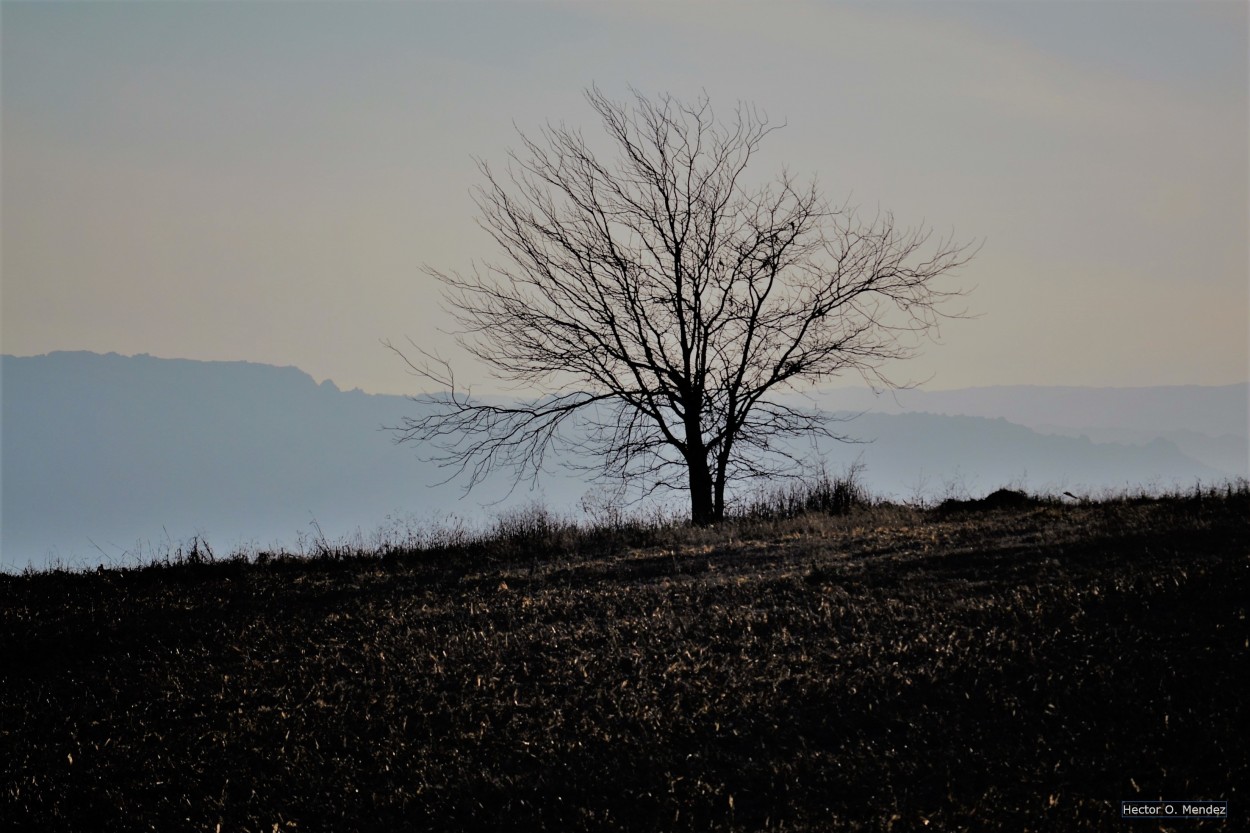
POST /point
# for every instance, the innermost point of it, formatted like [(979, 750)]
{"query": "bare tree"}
[(660, 306)]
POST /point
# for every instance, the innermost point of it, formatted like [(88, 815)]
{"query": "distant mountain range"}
[(1208, 424), (103, 457)]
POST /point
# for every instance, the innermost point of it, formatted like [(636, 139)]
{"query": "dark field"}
[(1015, 669)]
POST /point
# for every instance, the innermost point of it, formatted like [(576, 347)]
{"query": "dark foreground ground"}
[(1019, 669)]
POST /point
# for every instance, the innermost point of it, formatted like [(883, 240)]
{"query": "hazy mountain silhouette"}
[(117, 452), (1208, 424), (106, 454)]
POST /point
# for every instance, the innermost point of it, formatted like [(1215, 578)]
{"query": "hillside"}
[(112, 459), (891, 669)]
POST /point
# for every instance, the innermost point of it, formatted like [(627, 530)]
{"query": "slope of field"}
[(892, 669)]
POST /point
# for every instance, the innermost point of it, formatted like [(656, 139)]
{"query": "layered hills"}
[(106, 458)]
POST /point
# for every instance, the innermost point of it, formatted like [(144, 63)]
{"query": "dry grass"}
[(890, 668)]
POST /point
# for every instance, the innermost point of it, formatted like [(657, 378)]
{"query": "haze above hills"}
[(107, 458)]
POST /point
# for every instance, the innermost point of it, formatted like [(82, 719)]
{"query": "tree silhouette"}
[(660, 306)]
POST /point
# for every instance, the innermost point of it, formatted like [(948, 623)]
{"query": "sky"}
[(264, 181)]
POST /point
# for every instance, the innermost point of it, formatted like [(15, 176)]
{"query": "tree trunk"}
[(702, 504)]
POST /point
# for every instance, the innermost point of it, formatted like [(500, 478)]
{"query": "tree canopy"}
[(659, 306)]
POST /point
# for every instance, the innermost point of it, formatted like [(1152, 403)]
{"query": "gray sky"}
[(263, 181)]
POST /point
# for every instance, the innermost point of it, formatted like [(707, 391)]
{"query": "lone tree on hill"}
[(659, 304)]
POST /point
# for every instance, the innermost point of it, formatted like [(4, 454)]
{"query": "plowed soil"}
[(1020, 669)]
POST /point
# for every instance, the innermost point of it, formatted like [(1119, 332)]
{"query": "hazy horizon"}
[(263, 182), (850, 383), (105, 456)]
